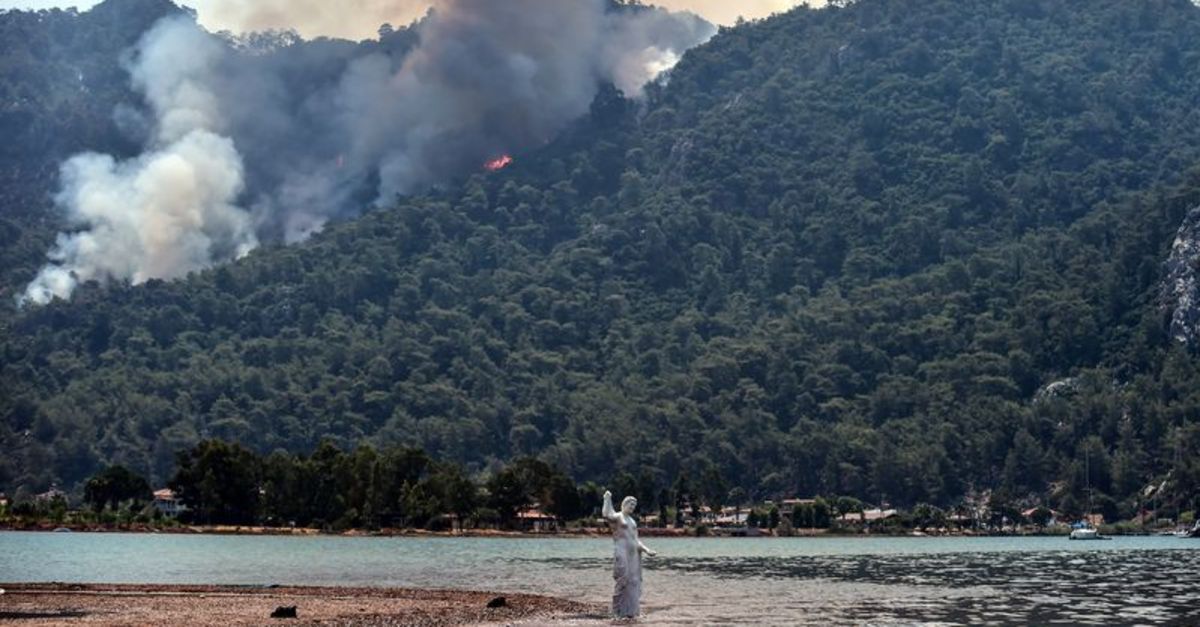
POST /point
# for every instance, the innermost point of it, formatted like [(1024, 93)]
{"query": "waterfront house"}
[(451, 520), (1054, 515), (789, 507), (1144, 517), (53, 494), (869, 515), (732, 517), (536, 521), (166, 502)]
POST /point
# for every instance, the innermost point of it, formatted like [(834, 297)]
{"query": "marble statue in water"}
[(627, 556)]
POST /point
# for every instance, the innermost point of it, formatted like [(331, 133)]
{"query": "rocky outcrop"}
[(673, 171), (1179, 294), (1057, 389)]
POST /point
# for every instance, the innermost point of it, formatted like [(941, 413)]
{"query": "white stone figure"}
[(627, 557)]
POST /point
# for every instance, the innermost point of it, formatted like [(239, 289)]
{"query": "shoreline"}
[(44, 604), (649, 532)]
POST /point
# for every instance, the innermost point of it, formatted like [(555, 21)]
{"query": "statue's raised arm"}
[(607, 510)]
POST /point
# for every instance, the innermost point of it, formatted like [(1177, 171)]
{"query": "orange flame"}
[(497, 164)]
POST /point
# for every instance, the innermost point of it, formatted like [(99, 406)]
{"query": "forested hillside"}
[(898, 250)]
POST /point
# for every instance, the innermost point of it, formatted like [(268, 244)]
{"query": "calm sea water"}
[(879, 581)]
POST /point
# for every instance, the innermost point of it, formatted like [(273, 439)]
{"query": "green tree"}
[(115, 485), (219, 483)]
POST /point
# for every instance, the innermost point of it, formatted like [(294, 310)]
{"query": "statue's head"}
[(628, 505)]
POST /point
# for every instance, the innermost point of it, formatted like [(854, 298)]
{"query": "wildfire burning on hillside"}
[(497, 164)]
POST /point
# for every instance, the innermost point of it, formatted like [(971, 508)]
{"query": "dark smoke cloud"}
[(259, 144)]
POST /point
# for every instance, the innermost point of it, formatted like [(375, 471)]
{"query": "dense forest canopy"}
[(897, 250)]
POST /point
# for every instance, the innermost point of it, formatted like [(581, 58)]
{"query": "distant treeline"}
[(221, 482), (224, 483)]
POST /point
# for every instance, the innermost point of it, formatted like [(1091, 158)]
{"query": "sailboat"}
[(1087, 531)]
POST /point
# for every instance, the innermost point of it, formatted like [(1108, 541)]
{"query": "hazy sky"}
[(331, 18)]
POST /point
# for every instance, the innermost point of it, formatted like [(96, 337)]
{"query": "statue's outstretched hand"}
[(651, 552), (607, 495)]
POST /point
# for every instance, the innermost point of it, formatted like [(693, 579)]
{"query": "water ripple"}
[(1046, 588)]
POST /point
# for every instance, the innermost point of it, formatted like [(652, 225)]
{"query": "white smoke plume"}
[(347, 19), (359, 19), (169, 211), (727, 12), (326, 128)]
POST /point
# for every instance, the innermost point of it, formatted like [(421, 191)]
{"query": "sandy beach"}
[(98, 604)]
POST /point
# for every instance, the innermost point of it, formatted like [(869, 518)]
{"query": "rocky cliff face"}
[(1180, 291), (1057, 389)]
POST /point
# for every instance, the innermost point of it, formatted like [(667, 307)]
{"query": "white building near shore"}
[(167, 502)]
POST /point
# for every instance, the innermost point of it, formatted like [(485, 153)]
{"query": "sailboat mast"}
[(1087, 476), (1175, 475)]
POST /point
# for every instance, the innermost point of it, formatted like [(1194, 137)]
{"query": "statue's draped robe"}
[(627, 568)]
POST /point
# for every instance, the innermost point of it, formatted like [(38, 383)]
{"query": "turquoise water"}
[(1132, 580)]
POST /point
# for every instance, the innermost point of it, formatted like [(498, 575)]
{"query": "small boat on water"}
[(1087, 533)]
